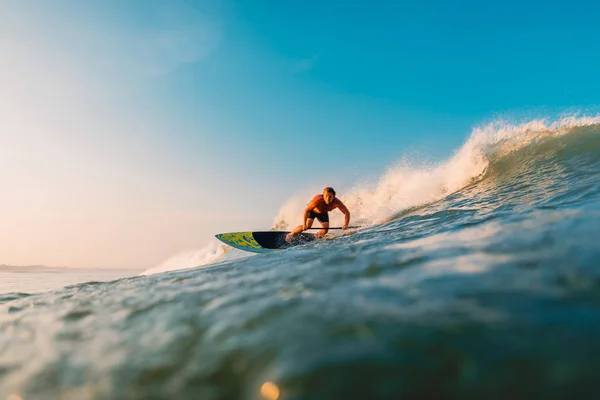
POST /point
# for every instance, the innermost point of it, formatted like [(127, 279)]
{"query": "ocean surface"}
[(477, 277), (38, 279)]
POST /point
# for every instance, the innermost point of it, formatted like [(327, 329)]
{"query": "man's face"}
[(328, 197)]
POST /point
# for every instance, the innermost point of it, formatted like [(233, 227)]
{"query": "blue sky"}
[(372, 79), (149, 126)]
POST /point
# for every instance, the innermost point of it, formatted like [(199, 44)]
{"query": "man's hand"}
[(304, 226), (345, 227)]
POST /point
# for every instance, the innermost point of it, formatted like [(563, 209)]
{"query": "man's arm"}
[(343, 209)]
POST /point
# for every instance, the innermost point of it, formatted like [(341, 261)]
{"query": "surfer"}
[(318, 208)]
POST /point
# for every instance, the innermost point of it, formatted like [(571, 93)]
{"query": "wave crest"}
[(406, 185)]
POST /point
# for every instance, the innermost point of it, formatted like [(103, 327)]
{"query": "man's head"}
[(328, 194)]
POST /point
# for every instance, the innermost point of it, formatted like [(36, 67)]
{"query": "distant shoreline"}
[(43, 268)]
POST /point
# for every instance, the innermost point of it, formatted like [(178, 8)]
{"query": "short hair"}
[(329, 190)]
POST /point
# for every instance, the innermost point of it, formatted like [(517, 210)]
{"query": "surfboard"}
[(263, 242)]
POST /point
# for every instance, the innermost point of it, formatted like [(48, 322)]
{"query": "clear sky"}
[(132, 130)]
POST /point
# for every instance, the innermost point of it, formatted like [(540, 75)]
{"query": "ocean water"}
[(478, 277), (29, 280)]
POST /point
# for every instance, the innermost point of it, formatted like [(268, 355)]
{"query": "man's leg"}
[(300, 228), (325, 226)]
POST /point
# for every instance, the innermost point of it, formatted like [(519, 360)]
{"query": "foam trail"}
[(191, 259)]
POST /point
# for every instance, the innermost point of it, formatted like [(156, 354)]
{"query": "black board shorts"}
[(323, 217)]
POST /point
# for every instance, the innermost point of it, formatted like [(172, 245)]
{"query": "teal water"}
[(489, 291)]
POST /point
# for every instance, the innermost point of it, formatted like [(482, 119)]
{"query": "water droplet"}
[(269, 391)]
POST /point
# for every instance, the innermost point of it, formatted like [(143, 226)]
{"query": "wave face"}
[(473, 278), (490, 153)]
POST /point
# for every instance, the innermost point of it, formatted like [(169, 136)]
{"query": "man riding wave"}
[(319, 208)]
